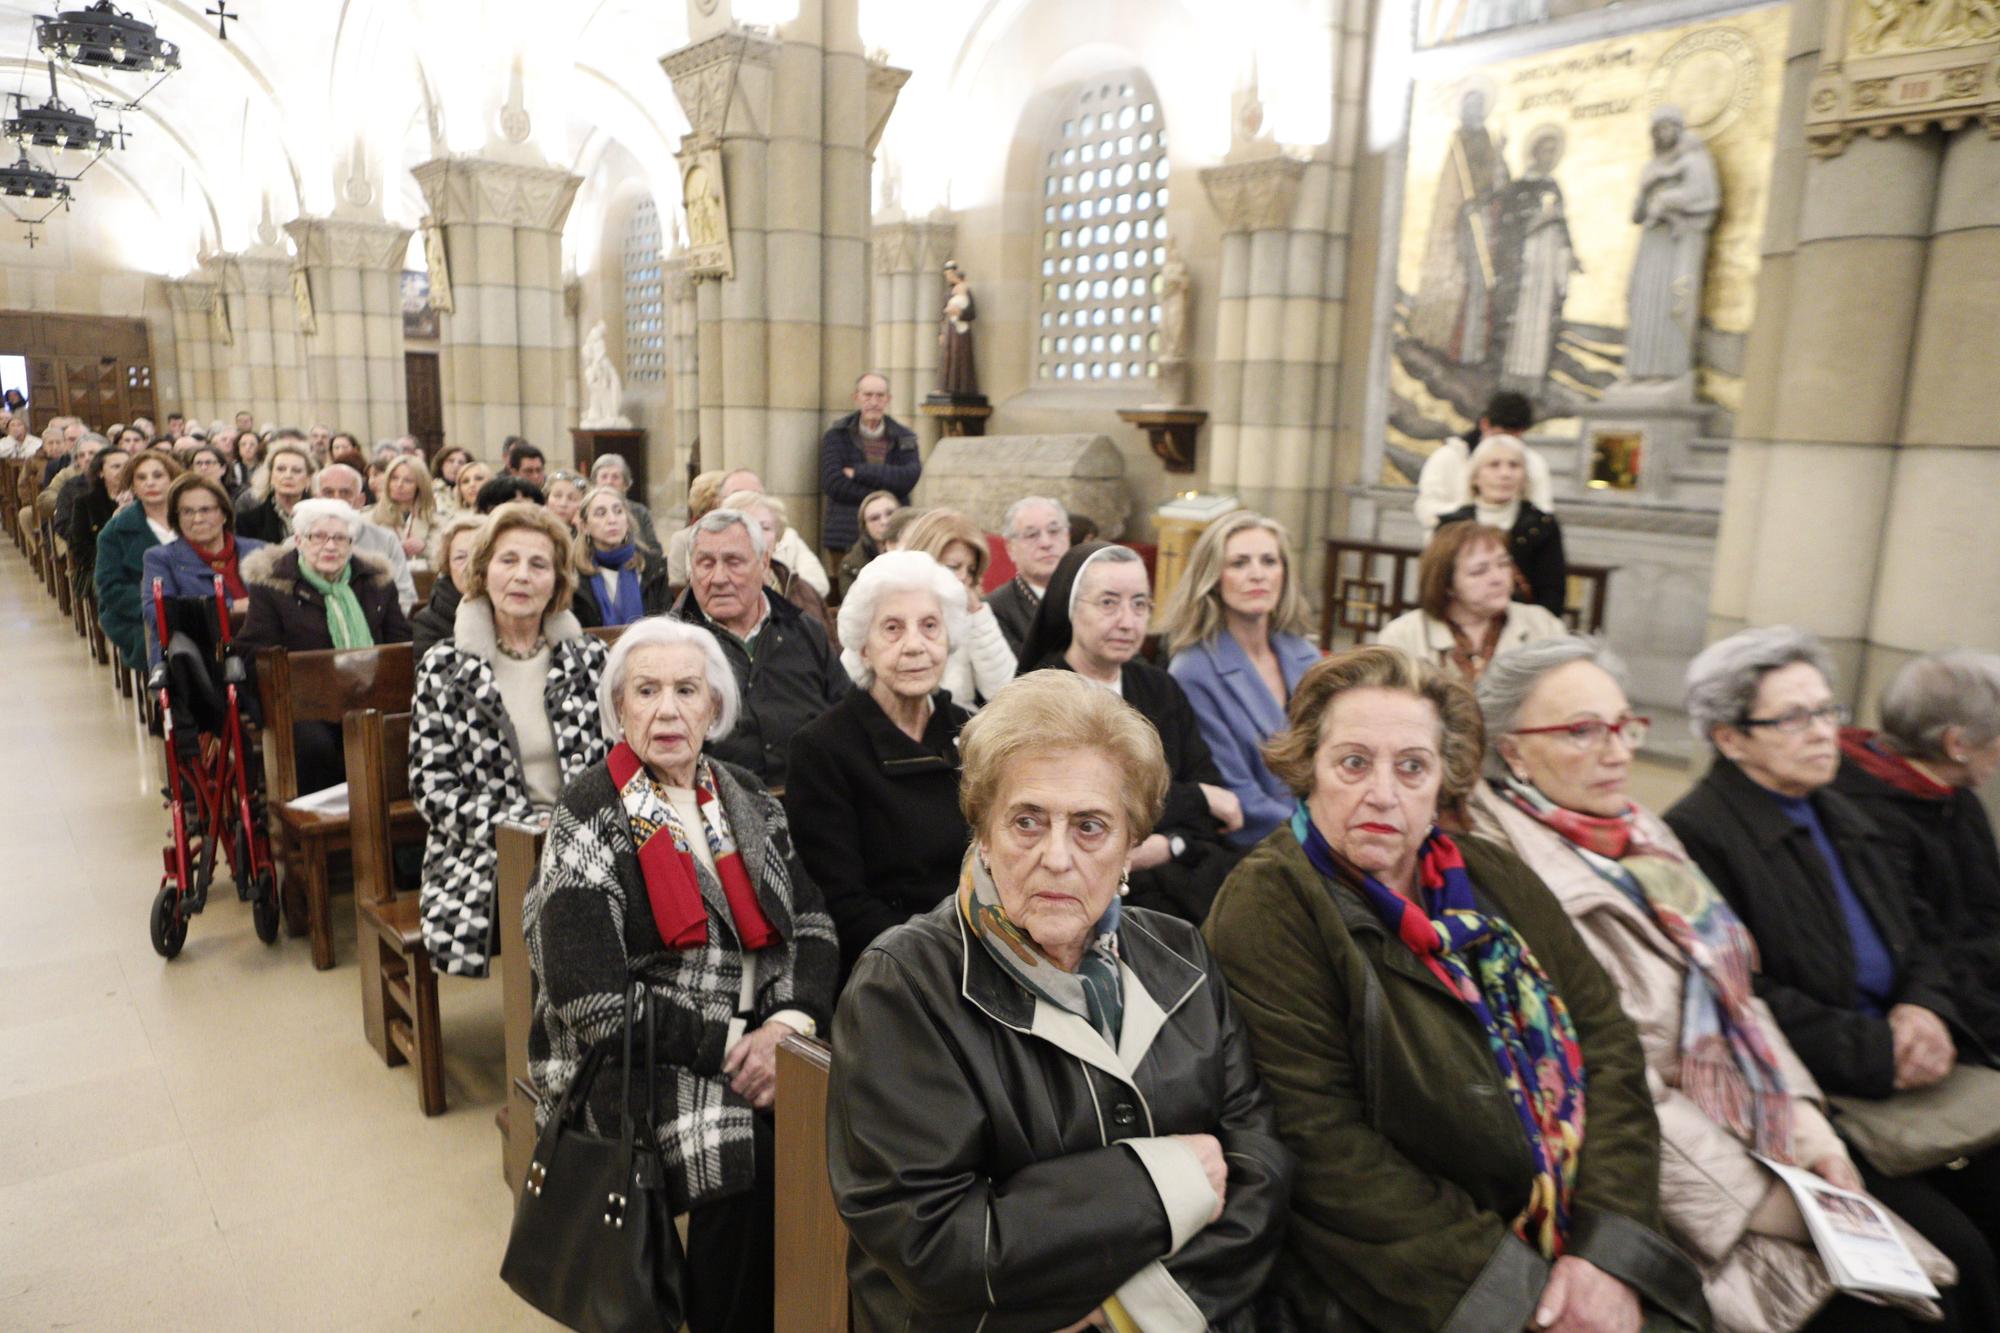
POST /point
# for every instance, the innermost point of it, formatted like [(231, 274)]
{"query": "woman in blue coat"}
[(122, 546), (200, 515), (1235, 629)]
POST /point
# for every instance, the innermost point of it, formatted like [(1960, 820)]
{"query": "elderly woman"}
[(565, 492), (981, 660), (618, 579), (1235, 631), (314, 593), (872, 783), (121, 551), (1865, 999), (1466, 613), (1070, 1133), (93, 509), (505, 713), (873, 514), (1466, 1099), (1725, 1082), (451, 557), (1496, 479), (406, 506), (1092, 621), (199, 513), (445, 467), (670, 870), (287, 479)]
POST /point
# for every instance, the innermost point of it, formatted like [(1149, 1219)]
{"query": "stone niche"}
[(981, 476)]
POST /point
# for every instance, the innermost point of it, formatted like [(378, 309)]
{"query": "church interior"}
[(1158, 260)]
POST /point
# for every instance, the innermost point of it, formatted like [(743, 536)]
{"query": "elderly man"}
[(337, 481), (791, 550), (613, 471), (786, 670), (320, 440), (60, 495), (1037, 533), (865, 451)]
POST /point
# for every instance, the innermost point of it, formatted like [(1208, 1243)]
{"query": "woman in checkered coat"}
[(505, 714), (677, 871)]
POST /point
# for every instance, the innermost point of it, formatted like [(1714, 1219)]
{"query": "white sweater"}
[(981, 664)]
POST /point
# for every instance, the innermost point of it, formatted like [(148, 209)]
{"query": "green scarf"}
[(344, 621)]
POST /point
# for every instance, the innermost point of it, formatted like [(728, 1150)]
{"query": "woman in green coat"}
[(121, 551), (1466, 1100)]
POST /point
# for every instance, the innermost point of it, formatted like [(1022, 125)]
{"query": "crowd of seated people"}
[(1231, 985)]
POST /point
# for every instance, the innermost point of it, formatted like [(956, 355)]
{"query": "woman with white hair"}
[(1493, 494), (673, 871), (872, 783)]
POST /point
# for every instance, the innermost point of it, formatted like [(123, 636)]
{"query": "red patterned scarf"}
[(667, 862), (224, 563), (1867, 752)]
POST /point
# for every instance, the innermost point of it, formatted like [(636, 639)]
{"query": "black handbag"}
[(593, 1245)]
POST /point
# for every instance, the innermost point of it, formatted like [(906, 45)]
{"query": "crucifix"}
[(221, 15), (33, 235)]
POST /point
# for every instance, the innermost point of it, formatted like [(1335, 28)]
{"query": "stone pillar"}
[(783, 327), (909, 291), (266, 369), (504, 344), (670, 484), (354, 344), (195, 351)]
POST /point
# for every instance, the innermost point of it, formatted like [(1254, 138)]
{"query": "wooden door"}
[(420, 376), (95, 367)]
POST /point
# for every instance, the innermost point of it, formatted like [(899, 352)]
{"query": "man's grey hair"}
[(611, 463), (1723, 678), (664, 632), (319, 477), (872, 375), (721, 520), (92, 437), (894, 572), (1026, 502), (1931, 694), (1513, 675)]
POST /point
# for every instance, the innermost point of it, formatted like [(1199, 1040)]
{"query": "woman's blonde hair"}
[(515, 516), (1051, 712), (935, 530), (582, 556), (1194, 613), (745, 501), (464, 520), (1290, 753), (424, 506), (704, 494)]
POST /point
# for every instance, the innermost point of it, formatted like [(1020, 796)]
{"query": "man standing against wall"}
[(865, 451)]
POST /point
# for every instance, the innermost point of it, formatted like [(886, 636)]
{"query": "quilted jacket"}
[(466, 774)]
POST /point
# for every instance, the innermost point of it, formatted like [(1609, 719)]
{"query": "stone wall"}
[(981, 477)]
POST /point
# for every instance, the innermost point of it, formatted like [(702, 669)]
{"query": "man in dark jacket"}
[(786, 671), (865, 451)]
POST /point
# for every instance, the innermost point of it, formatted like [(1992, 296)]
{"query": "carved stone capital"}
[(191, 295), (335, 243), (462, 190), (913, 247), (262, 274), (1254, 196), (705, 79), (885, 84)]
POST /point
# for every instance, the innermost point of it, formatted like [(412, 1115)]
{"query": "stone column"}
[(195, 352), (354, 344), (684, 361), (504, 343), (266, 370), (909, 257)]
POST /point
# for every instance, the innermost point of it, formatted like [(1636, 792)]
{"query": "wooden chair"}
[(323, 686), (520, 851), (399, 1005), (811, 1240)]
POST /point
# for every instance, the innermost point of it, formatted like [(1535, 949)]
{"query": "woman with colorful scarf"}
[(200, 515), (1043, 1113), (670, 869), (1725, 1081), (1451, 1067), (617, 579)]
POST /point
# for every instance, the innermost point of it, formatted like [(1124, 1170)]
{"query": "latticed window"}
[(1104, 235), (645, 296)]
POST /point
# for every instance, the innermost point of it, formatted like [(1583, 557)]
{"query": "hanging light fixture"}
[(26, 180), (102, 36), (55, 125)]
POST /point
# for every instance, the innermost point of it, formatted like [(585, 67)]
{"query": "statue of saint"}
[(602, 387), (1679, 198), (1173, 291), (704, 209), (1451, 314), (1534, 235), (957, 377)]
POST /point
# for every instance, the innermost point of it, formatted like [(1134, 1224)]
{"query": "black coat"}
[(1773, 875), (840, 449), (794, 676), (653, 596), (287, 612), (1014, 605), (264, 521), (93, 510), (1536, 546), (432, 624), (875, 815), (1942, 850), (981, 1170)]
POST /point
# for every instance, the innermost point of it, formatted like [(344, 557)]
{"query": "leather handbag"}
[(593, 1245), (1918, 1130)]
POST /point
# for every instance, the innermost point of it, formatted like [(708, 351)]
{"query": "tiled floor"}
[(207, 1143)]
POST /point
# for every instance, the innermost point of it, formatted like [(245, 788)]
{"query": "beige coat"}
[(1416, 635), (1728, 1211)]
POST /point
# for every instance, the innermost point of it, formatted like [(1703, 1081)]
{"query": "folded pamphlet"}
[(1855, 1237)]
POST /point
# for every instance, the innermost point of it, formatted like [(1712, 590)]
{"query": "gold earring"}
[(1125, 882)]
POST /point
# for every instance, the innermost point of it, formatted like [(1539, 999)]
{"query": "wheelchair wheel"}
[(169, 926), (264, 913)]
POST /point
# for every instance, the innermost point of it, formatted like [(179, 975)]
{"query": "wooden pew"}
[(323, 686), (399, 1005), (811, 1239), (520, 851)]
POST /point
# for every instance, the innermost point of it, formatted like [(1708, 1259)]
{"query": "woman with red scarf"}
[(676, 871), (204, 523)]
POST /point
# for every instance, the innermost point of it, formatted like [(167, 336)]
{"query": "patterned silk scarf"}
[(1727, 1064), (1481, 960), (1093, 992), (667, 863)]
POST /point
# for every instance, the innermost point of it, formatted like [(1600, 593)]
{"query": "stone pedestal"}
[(1635, 441), (592, 443), (354, 346), (956, 417), (1170, 431), (981, 477)]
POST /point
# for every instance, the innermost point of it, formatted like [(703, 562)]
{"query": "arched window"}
[(645, 296), (1104, 235)]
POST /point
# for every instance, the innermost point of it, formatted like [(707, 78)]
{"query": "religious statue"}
[(1539, 255), (601, 386), (1173, 290), (1679, 198), (1450, 314), (704, 209), (958, 379)]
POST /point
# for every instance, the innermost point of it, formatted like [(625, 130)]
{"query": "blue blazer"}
[(182, 573), (1237, 715)]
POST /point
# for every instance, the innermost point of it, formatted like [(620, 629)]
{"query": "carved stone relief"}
[(1890, 65), (1254, 196)]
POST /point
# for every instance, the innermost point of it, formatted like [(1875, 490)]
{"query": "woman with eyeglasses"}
[(1863, 997), (1726, 1085)]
